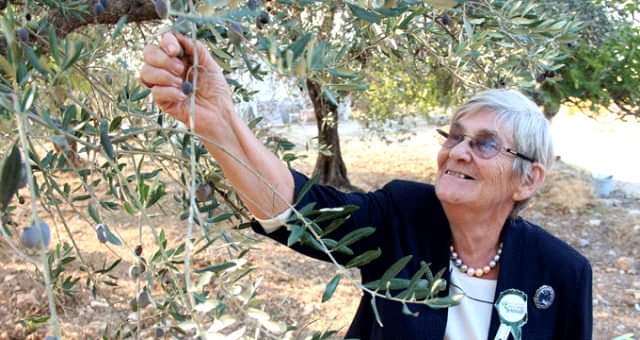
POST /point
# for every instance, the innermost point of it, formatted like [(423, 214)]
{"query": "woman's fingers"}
[(157, 57), (190, 48), (170, 99), (170, 45), (154, 76)]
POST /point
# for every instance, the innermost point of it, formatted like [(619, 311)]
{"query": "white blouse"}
[(470, 319)]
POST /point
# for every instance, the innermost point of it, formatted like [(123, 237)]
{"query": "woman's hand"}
[(169, 64), (240, 154)]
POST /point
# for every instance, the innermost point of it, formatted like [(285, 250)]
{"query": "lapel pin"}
[(512, 310), (544, 297)]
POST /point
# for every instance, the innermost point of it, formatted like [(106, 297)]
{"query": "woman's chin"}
[(453, 195), (449, 196)]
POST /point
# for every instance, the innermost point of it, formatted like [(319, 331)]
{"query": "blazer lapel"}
[(511, 266), (439, 255)]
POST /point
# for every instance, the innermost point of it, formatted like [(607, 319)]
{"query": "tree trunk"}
[(330, 169)]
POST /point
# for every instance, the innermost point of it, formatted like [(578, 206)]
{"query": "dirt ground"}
[(607, 231)]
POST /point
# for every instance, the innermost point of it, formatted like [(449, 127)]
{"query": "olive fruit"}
[(36, 236), (104, 3), (203, 192), (138, 250), (135, 271), (187, 87), (162, 10), (252, 4), (550, 73), (159, 332), (101, 232), (262, 19), (143, 300), (541, 78), (446, 20), (98, 9), (27, 16), (23, 34), (235, 33)]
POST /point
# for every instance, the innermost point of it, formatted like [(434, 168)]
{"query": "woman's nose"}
[(461, 151)]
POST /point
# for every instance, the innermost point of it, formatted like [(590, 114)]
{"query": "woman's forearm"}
[(264, 200)]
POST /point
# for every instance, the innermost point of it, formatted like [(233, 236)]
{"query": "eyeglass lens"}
[(484, 144)]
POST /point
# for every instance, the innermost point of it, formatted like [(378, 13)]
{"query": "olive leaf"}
[(331, 288), (10, 176), (364, 258)]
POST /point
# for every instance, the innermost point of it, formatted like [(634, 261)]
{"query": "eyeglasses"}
[(485, 144)]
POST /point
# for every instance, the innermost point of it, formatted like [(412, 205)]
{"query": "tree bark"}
[(135, 10), (330, 169)]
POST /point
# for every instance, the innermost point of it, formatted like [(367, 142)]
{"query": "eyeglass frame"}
[(472, 142)]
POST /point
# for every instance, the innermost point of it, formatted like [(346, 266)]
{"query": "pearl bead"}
[(478, 272)]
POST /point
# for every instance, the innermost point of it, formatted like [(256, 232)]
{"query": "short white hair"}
[(531, 131)]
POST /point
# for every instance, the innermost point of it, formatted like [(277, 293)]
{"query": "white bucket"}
[(603, 185)]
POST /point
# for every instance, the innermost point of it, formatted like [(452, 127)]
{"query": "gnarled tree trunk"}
[(331, 169)]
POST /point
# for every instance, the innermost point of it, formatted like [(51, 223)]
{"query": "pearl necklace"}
[(478, 272)]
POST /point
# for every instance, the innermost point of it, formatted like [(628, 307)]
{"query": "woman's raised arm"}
[(166, 67)]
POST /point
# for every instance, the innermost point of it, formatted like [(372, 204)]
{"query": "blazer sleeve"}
[(581, 325), (373, 211)]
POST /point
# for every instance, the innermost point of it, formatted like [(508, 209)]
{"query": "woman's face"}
[(466, 179)]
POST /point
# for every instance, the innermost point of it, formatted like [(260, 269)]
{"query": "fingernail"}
[(173, 49)]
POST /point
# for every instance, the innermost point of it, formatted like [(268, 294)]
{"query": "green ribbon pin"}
[(512, 310)]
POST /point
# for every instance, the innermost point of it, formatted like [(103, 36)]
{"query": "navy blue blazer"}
[(409, 220)]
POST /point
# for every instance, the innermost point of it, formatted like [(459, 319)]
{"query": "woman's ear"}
[(528, 185)]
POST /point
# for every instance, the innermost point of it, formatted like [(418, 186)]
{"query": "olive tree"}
[(69, 92), (71, 103)]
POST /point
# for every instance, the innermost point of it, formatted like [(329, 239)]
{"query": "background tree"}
[(600, 69), (68, 89)]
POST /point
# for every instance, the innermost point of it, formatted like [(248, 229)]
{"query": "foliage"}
[(601, 76), (446, 56), (398, 89), (68, 89)]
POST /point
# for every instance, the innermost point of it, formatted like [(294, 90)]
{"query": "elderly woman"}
[(518, 280)]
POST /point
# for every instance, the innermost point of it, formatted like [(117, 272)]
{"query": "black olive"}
[(262, 19), (187, 87), (23, 34), (98, 9), (446, 20), (162, 10)]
